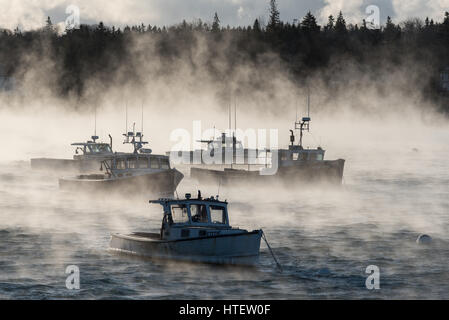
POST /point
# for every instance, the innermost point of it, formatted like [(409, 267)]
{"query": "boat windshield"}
[(218, 214), (143, 163), (179, 213), (99, 148), (132, 163), (198, 213), (165, 164)]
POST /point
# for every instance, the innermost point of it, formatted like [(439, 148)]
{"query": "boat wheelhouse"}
[(195, 230), (87, 158)]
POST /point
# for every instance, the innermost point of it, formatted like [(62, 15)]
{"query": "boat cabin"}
[(141, 161), (92, 149), (130, 164), (297, 153), (224, 143), (191, 218)]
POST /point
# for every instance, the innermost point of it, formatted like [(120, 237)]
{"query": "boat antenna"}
[(304, 125), (230, 116), (308, 101), (142, 117), (296, 106), (126, 118), (95, 132), (235, 113), (94, 137)]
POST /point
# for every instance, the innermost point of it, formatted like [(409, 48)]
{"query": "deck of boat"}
[(146, 235)]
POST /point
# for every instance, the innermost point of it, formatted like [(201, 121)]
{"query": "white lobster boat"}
[(87, 158), (196, 230)]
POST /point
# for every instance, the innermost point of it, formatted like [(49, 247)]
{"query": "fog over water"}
[(395, 188)]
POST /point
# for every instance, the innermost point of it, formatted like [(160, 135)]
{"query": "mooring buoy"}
[(424, 239)]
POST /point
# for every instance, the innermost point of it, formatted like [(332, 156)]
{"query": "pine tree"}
[(330, 23), (364, 27), (390, 30), (216, 24), (445, 24), (340, 25), (49, 25), (389, 26), (309, 23), (446, 19), (256, 26), (101, 28), (275, 20)]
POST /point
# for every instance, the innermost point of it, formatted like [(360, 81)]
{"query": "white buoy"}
[(424, 239)]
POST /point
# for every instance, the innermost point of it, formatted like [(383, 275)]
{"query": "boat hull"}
[(330, 172), (162, 183), (235, 249)]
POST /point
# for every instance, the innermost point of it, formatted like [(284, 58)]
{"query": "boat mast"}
[(95, 137), (126, 119), (305, 123), (95, 131), (142, 119), (230, 115)]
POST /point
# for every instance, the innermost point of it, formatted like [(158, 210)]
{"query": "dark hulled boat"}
[(290, 166), (140, 172)]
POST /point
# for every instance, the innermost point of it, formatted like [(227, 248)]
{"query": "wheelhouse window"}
[(283, 156), (179, 213), (154, 163), (143, 163), (218, 214), (303, 156), (132, 163), (99, 148), (295, 156), (198, 213), (319, 157), (165, 164), (120, 164)]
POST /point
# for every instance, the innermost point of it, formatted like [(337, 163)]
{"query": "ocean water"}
[(325, 238)]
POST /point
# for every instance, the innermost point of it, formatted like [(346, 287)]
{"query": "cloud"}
[(354, 10), (420, 8), (31, 14), (350, 8)]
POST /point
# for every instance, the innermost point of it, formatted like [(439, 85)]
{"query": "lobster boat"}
[(195, 230)]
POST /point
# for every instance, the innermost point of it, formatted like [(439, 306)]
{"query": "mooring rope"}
[(271, 251)]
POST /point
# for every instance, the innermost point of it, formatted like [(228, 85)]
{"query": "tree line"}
[(304, 48)]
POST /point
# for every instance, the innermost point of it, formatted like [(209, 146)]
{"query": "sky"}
[(31, 14)]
